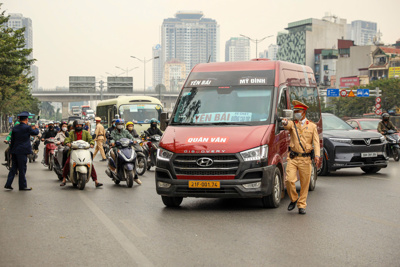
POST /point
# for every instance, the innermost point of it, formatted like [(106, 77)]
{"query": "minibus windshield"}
[(244, 105)]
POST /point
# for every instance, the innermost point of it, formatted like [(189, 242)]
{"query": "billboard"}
[(82, 84), (349, 81), (120, 85), (393, 72)]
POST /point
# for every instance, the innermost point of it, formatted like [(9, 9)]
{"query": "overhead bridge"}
[(65, 97)]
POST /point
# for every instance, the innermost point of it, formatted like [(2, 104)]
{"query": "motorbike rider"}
[(386, 125), (153, 130), (61, 135), (8, 139), (36, 138), (78, 134), (51, 132), (116, 135), (57, 126), (130, 127)]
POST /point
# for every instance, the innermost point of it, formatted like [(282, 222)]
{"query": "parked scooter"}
[(124, 169), (141, 164), (393, 144), (32, 157), (58, 162), (80, 164), (152, 144), (50, 152)]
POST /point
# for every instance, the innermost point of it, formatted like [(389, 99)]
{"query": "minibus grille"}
[(222, 165)]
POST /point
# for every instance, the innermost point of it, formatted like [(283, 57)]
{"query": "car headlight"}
[(163, 154), (383, 139), (257, 153), (341, 140)]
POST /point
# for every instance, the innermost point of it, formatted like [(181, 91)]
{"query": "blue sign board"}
[(332, 92), (362, 92)]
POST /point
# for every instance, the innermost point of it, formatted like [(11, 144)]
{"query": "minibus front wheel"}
[(273, 200), (172, 201)]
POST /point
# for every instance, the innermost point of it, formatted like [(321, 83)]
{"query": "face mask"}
[(385, 119), (78, 129), (298, 116), (51, 127), (154, 125), (114, 124), (64, 129), (130, 128), (119, 127)]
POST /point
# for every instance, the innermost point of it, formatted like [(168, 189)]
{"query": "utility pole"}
[(101, 89), (144, 69)]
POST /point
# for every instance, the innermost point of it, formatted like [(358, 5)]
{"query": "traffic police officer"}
[(300, 155), (20, 148)]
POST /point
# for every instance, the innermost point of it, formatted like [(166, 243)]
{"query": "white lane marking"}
[(372, 177), (133, 228), (372, 219), (129, 247)]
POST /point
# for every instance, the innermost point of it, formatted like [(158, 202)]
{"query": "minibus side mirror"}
[(287, 114), (164, 118)]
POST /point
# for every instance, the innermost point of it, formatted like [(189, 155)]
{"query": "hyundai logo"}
[(204, 162), (367, 141)]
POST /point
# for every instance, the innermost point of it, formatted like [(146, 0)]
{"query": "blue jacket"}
[(21, 139)]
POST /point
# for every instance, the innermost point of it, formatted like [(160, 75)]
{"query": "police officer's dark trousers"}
[(18, 163)]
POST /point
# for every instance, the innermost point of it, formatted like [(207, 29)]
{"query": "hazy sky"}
[(91, 37)]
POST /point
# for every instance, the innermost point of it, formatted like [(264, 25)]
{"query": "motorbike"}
[(392, 144), (9, 161), (141, 163), (50, 151), (152, 145), (32, 157), (80, 164), (124, 168), (58, 160)]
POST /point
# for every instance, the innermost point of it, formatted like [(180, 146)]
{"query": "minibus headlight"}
[(258, 153), (340, 140), (163, 154)]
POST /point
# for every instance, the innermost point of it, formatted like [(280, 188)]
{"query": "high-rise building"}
[(273, 51), (237, 49), (157, 65), (297, 45), (362, 32), (190, 38), (174, 75), (18, 21), (263, 54)]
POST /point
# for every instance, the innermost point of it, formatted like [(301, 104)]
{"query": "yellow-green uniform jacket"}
[(85, 137)]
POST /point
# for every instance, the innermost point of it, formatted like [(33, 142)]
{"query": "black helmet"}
[(76, 122)]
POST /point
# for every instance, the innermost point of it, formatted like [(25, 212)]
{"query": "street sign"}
[(378, 106), (365, 92), (378, 111), (331, 92), (351, 94), (360, 92), (343, 93), (378, 100)]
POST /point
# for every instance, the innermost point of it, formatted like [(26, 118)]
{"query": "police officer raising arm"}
[(20, 148), (304, 147)]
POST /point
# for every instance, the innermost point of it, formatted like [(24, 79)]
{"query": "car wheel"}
[(172, 201), (370, 170), (313, 178), (273, 200), (324, 168)]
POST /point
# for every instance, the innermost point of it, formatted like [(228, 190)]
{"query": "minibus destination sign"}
[(232, 78)]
